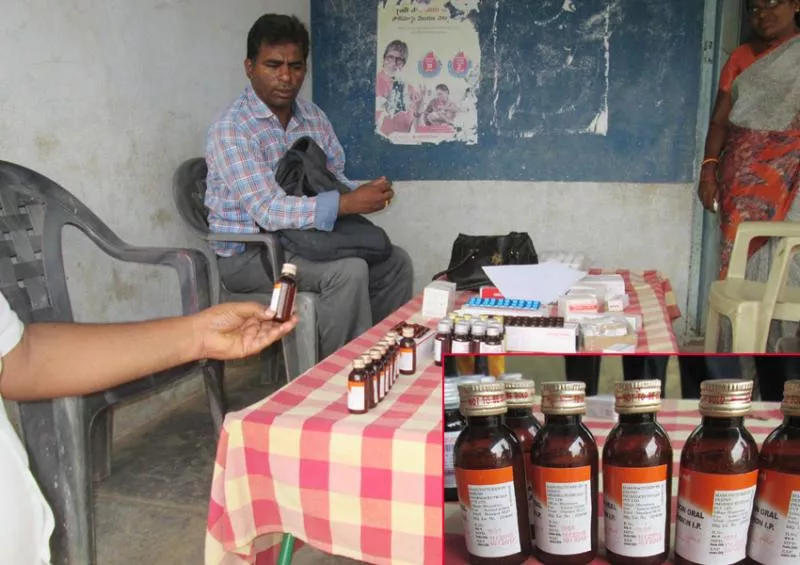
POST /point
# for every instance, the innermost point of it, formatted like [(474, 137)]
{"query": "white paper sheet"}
[(544, 282)]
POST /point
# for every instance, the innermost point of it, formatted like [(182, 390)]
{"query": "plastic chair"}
[(69, 438), (300, 347), (752, 305)]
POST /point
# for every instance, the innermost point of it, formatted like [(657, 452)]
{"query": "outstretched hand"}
[(234, 330)]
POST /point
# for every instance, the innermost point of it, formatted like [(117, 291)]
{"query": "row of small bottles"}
[(375, 372), (526, 489)]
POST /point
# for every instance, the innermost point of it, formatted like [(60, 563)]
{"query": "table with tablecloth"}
[(367, 486), (678, 417)]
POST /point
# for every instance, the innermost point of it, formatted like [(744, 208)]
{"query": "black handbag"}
[(473, 252)]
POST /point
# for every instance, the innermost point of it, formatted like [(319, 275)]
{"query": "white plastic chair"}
[(751, 305)]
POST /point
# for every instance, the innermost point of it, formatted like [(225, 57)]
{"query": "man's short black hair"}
[(443, 88), (277, 29)]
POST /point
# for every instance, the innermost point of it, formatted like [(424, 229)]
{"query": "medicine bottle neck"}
[(717, 422), (562, 419), (641, 418), (485, 421), (519, 412)]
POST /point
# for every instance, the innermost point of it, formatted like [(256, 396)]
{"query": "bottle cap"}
[(451, 398), (366, 358), (791, 398), (443, 326), (375, 354), (478, 329), (511, 377), (493, 331), (636, 397), (482, 399), (725, 398), (408, 332), (289, 269), (462, 328), (519, 393), (358, 364), (391, 335), (564, 397)]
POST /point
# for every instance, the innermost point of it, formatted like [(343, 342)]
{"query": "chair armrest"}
[(190, 264), (746, 232), (270, 240)]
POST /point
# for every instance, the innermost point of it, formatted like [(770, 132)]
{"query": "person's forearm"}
[(55, 360), (715, 140)]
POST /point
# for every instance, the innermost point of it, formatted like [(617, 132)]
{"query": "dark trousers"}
[(586, 368)]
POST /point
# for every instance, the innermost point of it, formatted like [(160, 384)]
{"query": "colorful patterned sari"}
[(760, 168)]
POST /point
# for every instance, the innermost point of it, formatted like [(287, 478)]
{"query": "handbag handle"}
[(455, 267)]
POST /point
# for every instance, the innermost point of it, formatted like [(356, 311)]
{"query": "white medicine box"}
[(438, 299)]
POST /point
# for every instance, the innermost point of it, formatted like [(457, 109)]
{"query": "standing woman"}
[(751, 168)]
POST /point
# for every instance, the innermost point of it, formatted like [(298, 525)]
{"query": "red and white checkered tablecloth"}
[(368, 487), (678, 417)]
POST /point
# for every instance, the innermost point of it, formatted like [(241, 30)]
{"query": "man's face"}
[(773, 19), (393, 62), (277, 73)]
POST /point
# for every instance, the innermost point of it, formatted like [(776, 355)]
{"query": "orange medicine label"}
[(489, 511), (356, 397), (775, 531), (562, 509), (275, 302), (635, 509), (406, 359), (713, 516)]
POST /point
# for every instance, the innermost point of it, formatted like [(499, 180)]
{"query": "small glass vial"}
[(478, 337), (394, 352), (441, 345), (283, 293), (357, 389), (775, 528), (454, 422), (520, 420), (490, 477), (408, 352), (461, 342), (717, 484), (380, 369), (372, 385), (637, 478), (564, 468)]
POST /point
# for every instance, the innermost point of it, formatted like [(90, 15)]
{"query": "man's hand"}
[(238, 329), (367, 198)]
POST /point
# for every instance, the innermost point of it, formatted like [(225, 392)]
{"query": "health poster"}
[(428, 61)]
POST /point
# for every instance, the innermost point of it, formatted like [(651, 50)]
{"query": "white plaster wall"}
[(108, 97), (617, 225)]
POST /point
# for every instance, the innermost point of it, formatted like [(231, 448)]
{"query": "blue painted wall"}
[(550, 67)]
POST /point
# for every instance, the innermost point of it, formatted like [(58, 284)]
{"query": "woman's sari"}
[(760, 167)]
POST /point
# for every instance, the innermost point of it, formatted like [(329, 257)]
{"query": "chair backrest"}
[(188, 191), (33, 213)]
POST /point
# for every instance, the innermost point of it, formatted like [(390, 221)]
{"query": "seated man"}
[(244, 147)]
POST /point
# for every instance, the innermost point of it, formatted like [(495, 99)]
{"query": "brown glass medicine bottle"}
[(564, 468), (520, 420), (357, 389), (283, 293), (454, 423), (441, 345), (775, 528), (380, 369), (490, 477), (718, 475), (394, 352), (637, 478), (408, 352), (372, 381)]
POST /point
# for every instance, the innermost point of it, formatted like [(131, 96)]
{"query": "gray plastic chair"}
[(300, 347), (69, 438)]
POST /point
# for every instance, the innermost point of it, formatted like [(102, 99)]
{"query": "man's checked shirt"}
[(243, 149)]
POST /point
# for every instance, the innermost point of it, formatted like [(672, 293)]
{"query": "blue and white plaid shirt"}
[(243, 149)]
